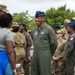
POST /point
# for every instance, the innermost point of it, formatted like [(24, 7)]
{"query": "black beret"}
[(71, 24), (55, 26)]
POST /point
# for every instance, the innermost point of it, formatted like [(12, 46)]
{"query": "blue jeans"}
[(9, 70)]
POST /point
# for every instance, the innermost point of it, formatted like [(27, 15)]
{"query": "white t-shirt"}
[(5, 34)]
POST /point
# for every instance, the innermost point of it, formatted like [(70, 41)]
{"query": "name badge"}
[(36, 33), (42, 33)]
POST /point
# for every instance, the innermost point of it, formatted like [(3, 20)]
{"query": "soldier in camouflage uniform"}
[(3, 9), (20, 44), (66, 21), (57, 63)]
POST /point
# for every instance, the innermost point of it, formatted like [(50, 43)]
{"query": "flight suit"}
[(70, 54), (45, 44)]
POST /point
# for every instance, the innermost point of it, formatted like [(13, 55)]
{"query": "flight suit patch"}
[(42, 33), (71, 38), (36, 33)]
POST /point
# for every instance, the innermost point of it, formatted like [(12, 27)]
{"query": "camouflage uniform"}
[(3, 8), (66, 21), (58, 66), (20, 44), (66, 34)]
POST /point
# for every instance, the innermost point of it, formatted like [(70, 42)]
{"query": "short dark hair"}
[(5, 19)]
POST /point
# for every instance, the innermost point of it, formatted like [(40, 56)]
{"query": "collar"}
[(42, 26), (72, 33)]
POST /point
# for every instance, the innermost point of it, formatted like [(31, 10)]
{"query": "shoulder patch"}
[(71, 38), (36, 33)]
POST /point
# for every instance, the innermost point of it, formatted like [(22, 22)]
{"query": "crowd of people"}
[(54, 47)]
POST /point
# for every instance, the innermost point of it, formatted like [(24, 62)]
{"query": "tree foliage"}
[(24, 17), (57, 16), (53, 16)]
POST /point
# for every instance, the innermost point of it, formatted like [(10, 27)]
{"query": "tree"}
[(24, 17), (53, 16), (57, 16)]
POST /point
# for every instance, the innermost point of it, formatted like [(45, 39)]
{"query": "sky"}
[(17, 6)]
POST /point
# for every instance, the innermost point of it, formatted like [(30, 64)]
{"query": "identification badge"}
[(36, 33), (42, 33)]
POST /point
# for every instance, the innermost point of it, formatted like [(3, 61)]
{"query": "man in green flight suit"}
[(45, 44), (70, 49)]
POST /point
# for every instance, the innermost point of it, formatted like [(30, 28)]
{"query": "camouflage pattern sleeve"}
[(19, 40), (61, 55), (20, 46)]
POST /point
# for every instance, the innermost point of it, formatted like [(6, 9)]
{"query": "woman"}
[(7, 57), (57, 63), (19, 48)]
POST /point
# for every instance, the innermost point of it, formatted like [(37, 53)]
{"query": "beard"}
[(68, 32)]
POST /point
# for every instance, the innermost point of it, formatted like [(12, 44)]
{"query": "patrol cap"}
[(60, 31), (15, 24), (71, 24), (3, 8), (55, 26), (21, 23), (67, 21), (73, 18), (39, 14)]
